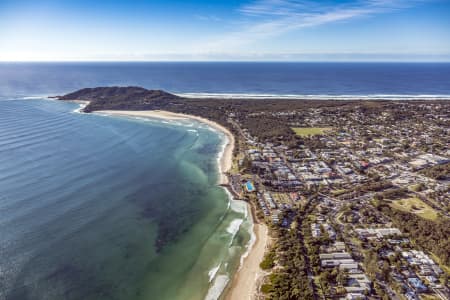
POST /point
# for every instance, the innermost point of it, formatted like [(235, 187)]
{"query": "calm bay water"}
[(96, 207)]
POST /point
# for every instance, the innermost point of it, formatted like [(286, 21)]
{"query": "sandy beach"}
[(247, 279), (244, 283), (226, 159)]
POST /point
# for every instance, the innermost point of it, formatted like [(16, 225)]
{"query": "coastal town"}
[(356, 199), (349, 199), (225, 150)]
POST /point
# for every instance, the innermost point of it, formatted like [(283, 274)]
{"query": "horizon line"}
[(224, 61)]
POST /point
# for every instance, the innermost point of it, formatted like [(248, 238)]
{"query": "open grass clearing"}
[(307, 131), (416, 206), (338, 192)]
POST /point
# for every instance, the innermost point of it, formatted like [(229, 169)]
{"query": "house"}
[(416, 284), (355, 296), (418, 164), (336, 262), (348, 266), (315, 230), (411, 296), (339, 246), (357, 283), (335, 255), (371, 233)]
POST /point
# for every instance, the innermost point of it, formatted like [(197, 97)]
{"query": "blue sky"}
[(304, 30)]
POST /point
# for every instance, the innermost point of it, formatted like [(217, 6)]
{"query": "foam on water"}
[(33, 97), (150, 119), (80, 108), (19, 97), (212, 273), (233, 228), (217, 288), (239, 206), (249, 245)]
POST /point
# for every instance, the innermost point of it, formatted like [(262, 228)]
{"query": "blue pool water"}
[(250, 187)]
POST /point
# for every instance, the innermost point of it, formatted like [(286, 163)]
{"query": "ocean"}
[(335, 80), (99, 207)]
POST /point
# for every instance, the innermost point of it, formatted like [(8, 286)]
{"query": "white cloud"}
[(268, 18), (213, 18)]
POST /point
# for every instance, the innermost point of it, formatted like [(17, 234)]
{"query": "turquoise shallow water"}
[(96, 207)]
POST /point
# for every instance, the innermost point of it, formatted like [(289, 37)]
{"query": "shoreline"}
[(248, 277), (82, 104), (244, 282)]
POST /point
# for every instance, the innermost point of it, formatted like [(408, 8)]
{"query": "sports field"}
[(306, 131)]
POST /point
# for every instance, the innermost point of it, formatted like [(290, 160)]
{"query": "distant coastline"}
[(347, 97)]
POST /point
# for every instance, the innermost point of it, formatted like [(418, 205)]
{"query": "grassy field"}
[(338, 192), (305, 131), (415, 206)]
